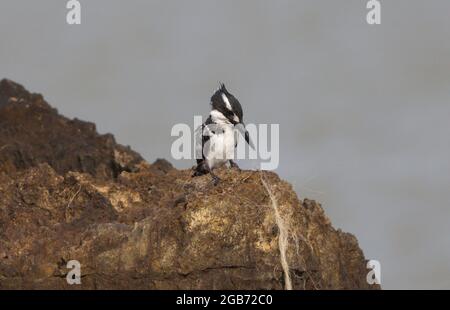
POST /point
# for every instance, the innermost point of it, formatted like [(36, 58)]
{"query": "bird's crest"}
[(222, 88)]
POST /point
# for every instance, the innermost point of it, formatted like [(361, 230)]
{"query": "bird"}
[(218, 137)]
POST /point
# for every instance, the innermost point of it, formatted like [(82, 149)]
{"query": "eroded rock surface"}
[(68, 193)]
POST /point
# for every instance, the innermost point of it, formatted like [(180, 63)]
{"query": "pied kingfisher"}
[(218, 136)]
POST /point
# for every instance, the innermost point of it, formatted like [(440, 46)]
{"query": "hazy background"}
[(363, 110)]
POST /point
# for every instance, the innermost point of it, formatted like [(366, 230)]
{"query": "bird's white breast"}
[(221, 147)]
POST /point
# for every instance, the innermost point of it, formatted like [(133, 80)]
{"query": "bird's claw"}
[(215, 180), (234, 165)]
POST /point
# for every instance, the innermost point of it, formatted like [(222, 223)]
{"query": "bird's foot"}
[(234, 165), (199, 170), (215, 179)]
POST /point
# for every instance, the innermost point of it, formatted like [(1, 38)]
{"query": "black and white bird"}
[(218, 133)]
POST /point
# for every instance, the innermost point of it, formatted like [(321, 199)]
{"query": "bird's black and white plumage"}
[(218, 136)]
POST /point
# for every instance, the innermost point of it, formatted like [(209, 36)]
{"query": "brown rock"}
[(68, 193), (31, 132)]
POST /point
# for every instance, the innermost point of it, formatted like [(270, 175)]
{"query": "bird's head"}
[(227, 109)]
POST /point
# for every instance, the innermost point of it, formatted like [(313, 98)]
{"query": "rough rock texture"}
[(68, 193), (31, 132)]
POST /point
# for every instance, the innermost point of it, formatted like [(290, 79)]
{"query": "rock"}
[(31, 132), (68, 193)]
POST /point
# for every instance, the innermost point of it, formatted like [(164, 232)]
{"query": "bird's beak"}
[(248, 140), (246, 135)]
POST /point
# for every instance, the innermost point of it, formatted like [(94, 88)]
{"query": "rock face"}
[(68, 193), (31, 132)]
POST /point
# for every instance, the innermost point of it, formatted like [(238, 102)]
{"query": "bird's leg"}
[(215, 178), (233, 164), (200, 169)]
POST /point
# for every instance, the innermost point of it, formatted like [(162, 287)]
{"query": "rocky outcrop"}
[(31, 132), (68, 193)]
